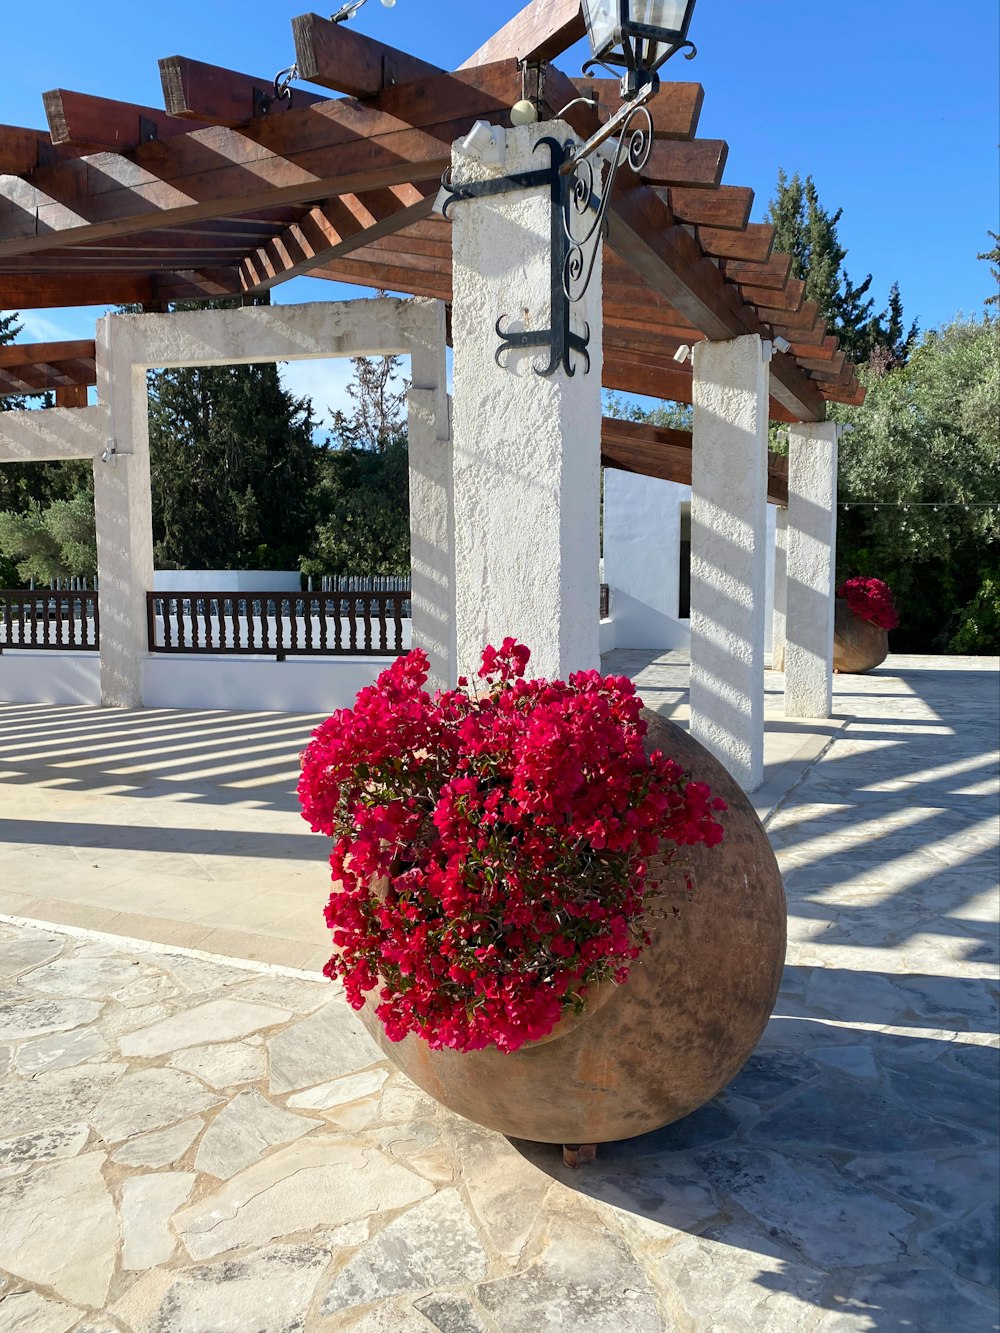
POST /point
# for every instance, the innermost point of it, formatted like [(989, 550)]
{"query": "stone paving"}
[(193, 1145)]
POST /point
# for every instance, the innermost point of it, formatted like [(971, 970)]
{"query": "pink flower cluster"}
[(490, 853), (871, 599)]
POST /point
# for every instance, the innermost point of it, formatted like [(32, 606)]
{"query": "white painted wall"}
[(643, 519), (257, 684), (227, 580), (642, 537), (28, 677), (251, 684)]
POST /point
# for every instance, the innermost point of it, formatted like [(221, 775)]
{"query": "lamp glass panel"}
[(667, 14), (602, 21)]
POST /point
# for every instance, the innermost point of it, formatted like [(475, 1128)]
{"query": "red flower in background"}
[(490, 854), (871, 599)]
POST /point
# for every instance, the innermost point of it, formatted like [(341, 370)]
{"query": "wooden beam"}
[(336, 56), (676, 108), (541, 31), (774, 272), (386, 277), (216, 96), (335, 228), (23, 150), (30, 291), (728, 207), (698, 164), (754, 243), (333, 148), (29, 354), (71, 396), (98, 124), (789, 298)]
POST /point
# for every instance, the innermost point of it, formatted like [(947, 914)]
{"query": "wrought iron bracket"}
[(579, 194)]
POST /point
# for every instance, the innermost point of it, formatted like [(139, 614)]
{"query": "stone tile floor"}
[(194, 1145)]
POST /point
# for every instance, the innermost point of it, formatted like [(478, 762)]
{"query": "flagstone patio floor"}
[(192, 1143)]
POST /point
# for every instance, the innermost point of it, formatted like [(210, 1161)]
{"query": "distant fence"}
[(308, 624), (58, 621), (357, 582)]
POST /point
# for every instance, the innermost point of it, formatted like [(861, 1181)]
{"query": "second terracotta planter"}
[(858, 645)]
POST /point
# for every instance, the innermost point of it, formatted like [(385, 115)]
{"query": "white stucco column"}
[(812, 548), (728, 552), (527, 448), (123, 514), (432, 509), (780, 590)]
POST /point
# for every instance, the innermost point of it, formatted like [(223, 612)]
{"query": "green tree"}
[(993, 257), (233, 467), (363, 496), (364, 499), (379, 412), (807, 232), (56, 541), (920, 486)]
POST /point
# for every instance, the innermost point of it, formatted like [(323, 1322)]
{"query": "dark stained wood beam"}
[(676, 108), (30, 354), (727, 207), (23, 150), (752, 243), (774, 272), (542, 30), (699, 164), (74, 395), (98, 124), (337, 56), (335, 228), (216, 96), (333, 148), (30, 291), (789, 298), (386, 277)]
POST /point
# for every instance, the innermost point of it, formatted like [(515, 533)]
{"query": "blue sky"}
[(896, 119)]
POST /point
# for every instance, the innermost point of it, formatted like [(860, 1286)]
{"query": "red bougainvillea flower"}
[(871, 599), (490, 853)]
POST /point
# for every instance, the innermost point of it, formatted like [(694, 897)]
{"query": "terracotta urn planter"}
[(858, 645), (650, 1051)]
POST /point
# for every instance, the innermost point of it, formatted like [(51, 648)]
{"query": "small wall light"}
[(682, 354)]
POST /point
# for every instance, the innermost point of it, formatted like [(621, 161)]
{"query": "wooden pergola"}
[(231, 189)]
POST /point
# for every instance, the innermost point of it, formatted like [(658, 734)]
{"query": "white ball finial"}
[(388, 3), (523, 113)]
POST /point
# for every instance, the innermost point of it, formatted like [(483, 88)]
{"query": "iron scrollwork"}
[(580, 192)]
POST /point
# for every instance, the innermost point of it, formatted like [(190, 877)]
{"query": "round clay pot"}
[(858, 645), (675, 1033)]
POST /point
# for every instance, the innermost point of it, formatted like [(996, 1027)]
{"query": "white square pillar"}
[(812, 548), (780, 590), (432, 507), (527, 447), (124, 520), (728, 552)]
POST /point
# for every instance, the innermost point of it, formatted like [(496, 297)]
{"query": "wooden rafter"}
[(270, 188), (541, 31), (97, 124), (335, 56), (215, 96), (333, 229)]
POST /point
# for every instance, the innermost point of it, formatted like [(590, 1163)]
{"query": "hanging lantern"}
[(637, 36)]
